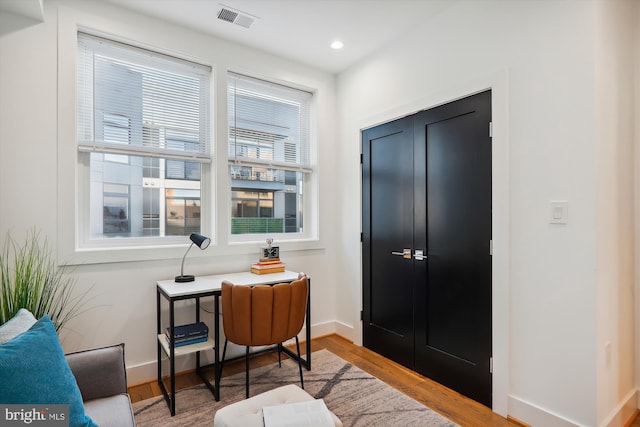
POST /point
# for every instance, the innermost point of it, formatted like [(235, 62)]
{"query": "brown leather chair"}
[(264, 315)]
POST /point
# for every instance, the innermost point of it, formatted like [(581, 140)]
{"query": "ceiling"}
[(301, 30), (17, 14), (25, 8)]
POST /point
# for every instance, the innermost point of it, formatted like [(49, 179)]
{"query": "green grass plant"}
[(31, 278)]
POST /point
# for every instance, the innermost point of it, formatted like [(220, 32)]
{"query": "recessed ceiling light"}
[(337, 45)]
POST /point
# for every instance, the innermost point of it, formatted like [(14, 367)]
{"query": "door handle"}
[(419, 255), (406, 253)]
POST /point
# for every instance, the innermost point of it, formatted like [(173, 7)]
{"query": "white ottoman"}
[(248, 413)]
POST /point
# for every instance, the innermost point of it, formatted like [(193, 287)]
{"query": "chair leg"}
[(247, 373), (279, 350), (224, 351), (299, 362)]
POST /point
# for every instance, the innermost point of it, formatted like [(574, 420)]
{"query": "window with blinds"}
[(269, 155), (143, 128)]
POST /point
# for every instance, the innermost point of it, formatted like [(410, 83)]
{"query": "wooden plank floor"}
[(449, 403)]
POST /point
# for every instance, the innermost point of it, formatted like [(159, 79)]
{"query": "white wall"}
[(35, 74), (541, 57), (615, 38)]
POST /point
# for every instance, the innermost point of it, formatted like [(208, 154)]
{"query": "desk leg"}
[(197, 320), (159, 329), (169, 396), (306, 361), (172, 361), (216, 351)]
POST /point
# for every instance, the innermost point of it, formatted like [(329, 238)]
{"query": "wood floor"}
[(452, 405)]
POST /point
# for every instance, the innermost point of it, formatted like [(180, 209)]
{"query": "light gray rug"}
[(356, 397)]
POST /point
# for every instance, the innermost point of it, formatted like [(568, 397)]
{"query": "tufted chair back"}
[(263, 314)]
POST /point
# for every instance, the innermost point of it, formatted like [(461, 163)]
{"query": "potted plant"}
[(30, 278)]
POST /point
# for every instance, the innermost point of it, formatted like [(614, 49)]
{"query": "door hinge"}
[(361, 237), (361, 315), (490, 129), (361, 158), (491, 365), (490, 247)]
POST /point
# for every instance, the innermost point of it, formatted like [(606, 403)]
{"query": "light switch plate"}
[(559, 212)]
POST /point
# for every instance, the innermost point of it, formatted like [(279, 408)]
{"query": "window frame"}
[(203, 155), (309, 188), (73, 246), (215, 183)]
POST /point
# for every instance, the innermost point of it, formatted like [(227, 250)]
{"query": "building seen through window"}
[(268, 156), (145, 196), (143, 131)]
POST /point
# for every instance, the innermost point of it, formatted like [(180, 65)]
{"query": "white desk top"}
[(204, 284)]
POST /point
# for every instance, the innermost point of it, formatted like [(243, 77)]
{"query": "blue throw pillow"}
[(34, 371)]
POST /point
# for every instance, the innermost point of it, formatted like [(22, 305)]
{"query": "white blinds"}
[(137, 102), (268, 124)]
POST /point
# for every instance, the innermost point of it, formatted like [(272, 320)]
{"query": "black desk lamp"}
[(202, 242)]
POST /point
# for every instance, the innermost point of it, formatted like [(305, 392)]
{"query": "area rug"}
[(356, 397)]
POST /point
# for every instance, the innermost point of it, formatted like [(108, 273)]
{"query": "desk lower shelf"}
[(185, 349)]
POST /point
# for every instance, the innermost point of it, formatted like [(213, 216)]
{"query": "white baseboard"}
[(147, 371), (320, 329), (535, 415), (344, 330), (623, 412), (142, 373)]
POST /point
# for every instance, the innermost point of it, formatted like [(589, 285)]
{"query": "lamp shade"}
[(200, 241)]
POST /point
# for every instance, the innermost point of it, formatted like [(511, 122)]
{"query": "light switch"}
[(559, 212)]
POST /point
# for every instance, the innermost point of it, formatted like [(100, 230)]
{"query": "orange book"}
[(267, 270), (269, 261), (259, 266)]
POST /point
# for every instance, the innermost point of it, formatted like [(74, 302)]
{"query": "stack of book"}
[(188, 334), (273, 265)]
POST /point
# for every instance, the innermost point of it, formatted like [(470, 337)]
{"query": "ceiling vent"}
[(236, 17)]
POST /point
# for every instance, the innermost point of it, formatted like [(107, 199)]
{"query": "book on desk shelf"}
[(311, 413), (186, 337), (188, 341), (191, 331)]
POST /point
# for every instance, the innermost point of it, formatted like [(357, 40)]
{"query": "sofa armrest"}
[(99, 372)]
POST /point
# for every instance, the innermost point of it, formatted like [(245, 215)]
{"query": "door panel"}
[(453, 331), (387, 314)]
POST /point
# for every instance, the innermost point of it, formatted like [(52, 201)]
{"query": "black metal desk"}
[(202, 287)]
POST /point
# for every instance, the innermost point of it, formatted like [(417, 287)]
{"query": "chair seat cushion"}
[(248, 413), (113, 411)]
